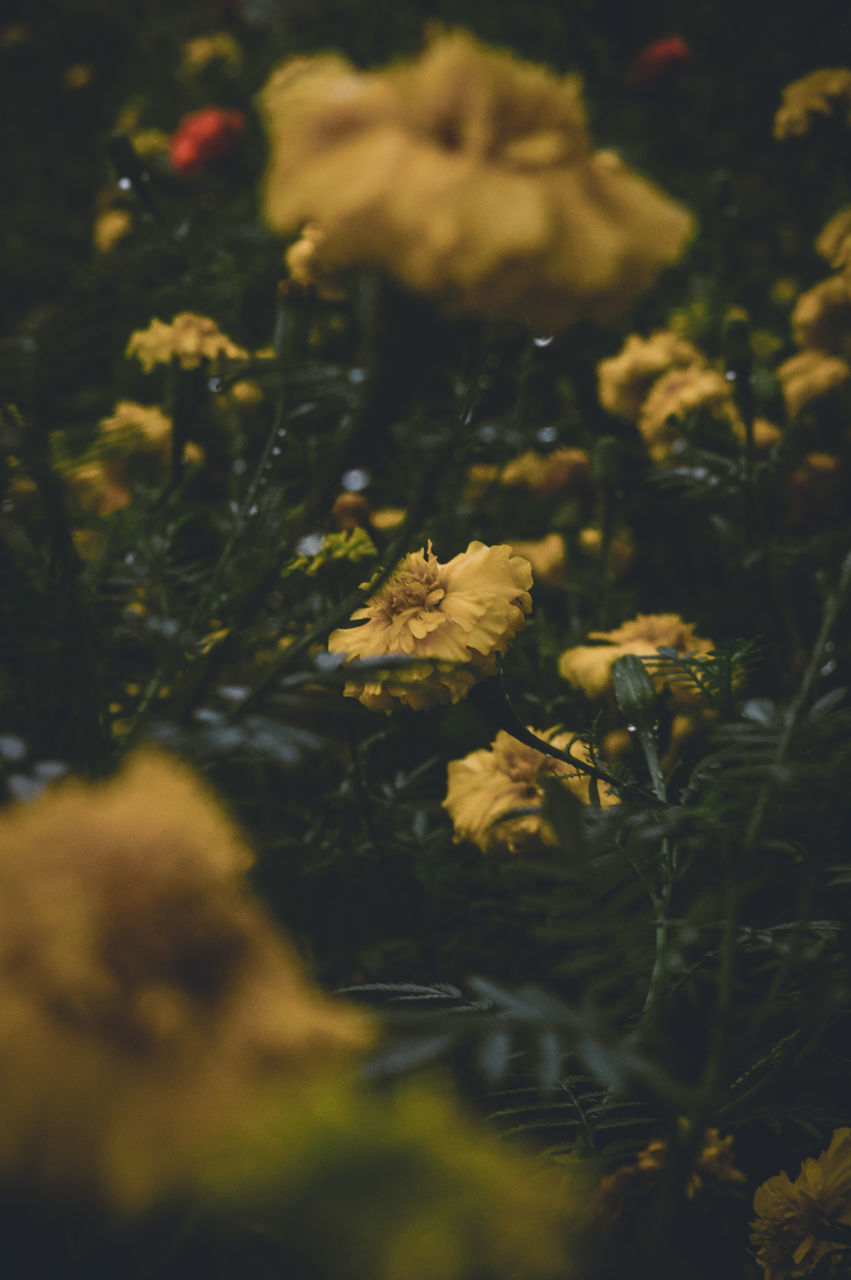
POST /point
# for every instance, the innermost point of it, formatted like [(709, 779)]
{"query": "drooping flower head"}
[(468, 175), (820, 93), (189, 339), (624, 380), (589, 667), (792, 1230), (508, 775), (145, 999), (464, 612)]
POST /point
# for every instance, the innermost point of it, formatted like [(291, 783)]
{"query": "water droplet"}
[(240, 467), (357, 376), (282, 434), (276, 451), (253, 510), (485, 381), (232, 692), (215, 385), (356, 480), (632, 728), (124, 184), (488, 433), (130, 558), (12, 748), (547, 435), (543, 342), (829, 668), (310, 544), (730, 375)]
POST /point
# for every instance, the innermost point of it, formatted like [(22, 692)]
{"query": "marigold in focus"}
[(677, 395), (792, 1230), (589, 667), (624, 380), (822, 316), (809, 374), (509, 775), (145, 999), (820, 93), (464, 612), (467, 174), (189, 339)]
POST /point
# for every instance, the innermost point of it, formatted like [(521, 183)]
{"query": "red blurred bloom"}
[(658, 60), (204, 137)]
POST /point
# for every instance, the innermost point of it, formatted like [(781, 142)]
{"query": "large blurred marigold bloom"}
[(464, 612), (792, 1230), (189, 339), (467, 174), (819, 93), (624, 380), (509, 775), (145, 999), (589, 667)]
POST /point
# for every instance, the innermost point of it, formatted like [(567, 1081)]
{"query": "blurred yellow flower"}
[(219, 46), (189, 339), (822, 316), (589, 667), (624, 380), (819, 93), (305, 264), (547, 556), (468, 174), (508, 775), (791, 1233), (132, 421), (111, 226), (834, 241), (464, 612), (97, 488), (145, 999), (150, 142), (809, 374), (678, 394), (563, 471), (621, 549)]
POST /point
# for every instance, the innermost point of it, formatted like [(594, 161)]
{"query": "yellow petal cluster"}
[(305, 264), (508, 775), (131, 423), (791, 1233), (111, 226), (809, 374), (624, 380), (820, 93), (188, 339), (675, 396), (469, 175), (464, 612), (566, 470), (834, 240), (589, 667), (822, 316), (145, 999)]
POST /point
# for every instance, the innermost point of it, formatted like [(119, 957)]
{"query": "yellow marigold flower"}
[(145, 999), (111, 226), (834, 241), (220, 46), (566, 471), (97, 488), (675, 396), (133, 423), (189, 339), (466, 611), (765, 435), (305, 264), (819, 93), (589, 667), (509, 775), (809, 374), (547, 556), (822, 315), (791, 1233), (467, 174), (624, 380)]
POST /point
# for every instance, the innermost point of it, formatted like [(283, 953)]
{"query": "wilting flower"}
[(589, 667), (809, 374), (656, 61), (111, 226), (189, 339), (822, 316), (467, 174), (204, 138), (464, 612), (792, 1230), (819, 93), (491, 782), (624, 380), (834, 241), (145, 999), (676, 396)]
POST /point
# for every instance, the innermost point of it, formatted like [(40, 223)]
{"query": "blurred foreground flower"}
[(204, 138), (464, 612), (792, 1231), (145, 999), (819, 93), (590, 666), (189, 339), (508, 775), (467, 174)]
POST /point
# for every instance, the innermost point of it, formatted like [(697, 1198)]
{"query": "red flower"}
[(658, 60), (204, 137)]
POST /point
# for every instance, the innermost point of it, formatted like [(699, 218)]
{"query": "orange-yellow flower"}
[(624, 380), (145, 998), (822, 316), (792, 1230), (458, 617), (493, 781), (467, 174), (589, 667), (189, 339), (678, 394), (809, 374)]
